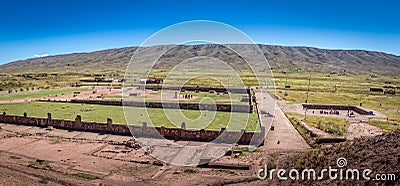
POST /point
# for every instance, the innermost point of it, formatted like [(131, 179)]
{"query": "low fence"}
[(221, 136)]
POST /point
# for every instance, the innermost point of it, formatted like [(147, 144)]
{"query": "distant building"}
[(374, 75), (151, 81), (143, 81)]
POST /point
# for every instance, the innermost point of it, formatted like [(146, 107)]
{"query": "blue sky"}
[(30, 27)]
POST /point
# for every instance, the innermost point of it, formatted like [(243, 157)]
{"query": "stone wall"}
[(221, 136), (189, 106), (359, 110), (199, 89)]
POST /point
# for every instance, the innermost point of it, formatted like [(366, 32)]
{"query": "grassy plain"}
[(53, 80), (198, 97), (385, 125), (340, 89), (335, 88), (331, 125), (39, 93)]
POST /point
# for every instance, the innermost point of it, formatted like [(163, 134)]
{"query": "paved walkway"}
[(284, 136)]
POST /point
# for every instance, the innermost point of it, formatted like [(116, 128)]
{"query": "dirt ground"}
[(64, 153), (97, 92)]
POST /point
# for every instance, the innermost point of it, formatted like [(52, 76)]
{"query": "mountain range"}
[(279, 57)]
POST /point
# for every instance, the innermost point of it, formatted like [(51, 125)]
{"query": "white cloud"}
[(41, 55)]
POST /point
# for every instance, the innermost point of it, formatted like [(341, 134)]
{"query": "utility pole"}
[(227, 76), (286, 84), (308, 88), (305, 113)]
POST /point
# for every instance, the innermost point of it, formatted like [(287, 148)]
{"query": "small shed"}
[(143, 81), (376, 89)]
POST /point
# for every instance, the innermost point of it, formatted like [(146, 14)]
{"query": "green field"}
[(331, 125), (53, 80), (99, 113), (205, 76), (220, 98), (40, 93), (197, 97), (334, 83), (325, 88), (385, 125)]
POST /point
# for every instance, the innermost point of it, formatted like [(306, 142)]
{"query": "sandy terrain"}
[(106, 157)]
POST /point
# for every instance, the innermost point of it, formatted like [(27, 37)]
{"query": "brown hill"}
[(380, 154)]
